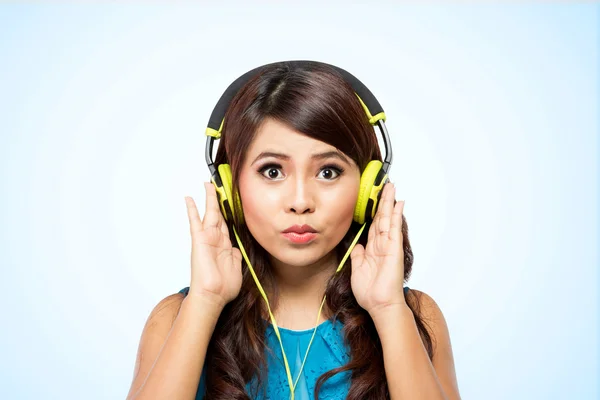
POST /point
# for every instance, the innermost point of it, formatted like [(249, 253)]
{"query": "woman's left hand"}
[(378, 271)]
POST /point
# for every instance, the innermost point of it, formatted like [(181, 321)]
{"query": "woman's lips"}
[(299, 238)]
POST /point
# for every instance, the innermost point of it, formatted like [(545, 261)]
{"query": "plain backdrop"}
[(493, 115)]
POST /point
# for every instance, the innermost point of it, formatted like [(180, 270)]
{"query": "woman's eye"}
[(271, 171), (329, 172)]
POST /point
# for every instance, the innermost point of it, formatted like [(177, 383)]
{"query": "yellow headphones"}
[(372, 179)]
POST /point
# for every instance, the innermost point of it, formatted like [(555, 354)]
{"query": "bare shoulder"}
[(167, 308), (443, 359), (429, 312), (160, 321), (424, 302), (155, 332), (428, 308)]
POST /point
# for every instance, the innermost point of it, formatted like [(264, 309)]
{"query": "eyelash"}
[(334, 167)]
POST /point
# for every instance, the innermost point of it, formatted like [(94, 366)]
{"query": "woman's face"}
[(295, 188)]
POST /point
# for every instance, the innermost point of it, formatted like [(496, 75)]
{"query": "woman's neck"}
[(300, 292)]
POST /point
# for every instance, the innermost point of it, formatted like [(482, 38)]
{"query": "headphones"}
[(372, 179)]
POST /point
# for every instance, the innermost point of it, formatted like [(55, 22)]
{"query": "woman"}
[(297, 141)]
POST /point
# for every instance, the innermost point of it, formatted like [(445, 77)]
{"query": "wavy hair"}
[(318, 102)]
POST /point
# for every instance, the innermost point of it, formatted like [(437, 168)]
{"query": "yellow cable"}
[(276, 329)]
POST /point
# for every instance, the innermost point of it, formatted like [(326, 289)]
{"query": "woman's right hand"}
[(216, 265)]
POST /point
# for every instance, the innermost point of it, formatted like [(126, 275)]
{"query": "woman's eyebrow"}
[(317, 156)]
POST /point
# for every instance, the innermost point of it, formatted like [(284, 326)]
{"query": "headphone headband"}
[(371, 106), (370, 103)]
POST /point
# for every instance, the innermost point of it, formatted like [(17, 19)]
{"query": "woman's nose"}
[(302, 200)]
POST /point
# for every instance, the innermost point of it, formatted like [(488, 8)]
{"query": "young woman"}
[(293, 316)]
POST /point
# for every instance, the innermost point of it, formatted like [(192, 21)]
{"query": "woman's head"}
[(299, 114), (297, 111)]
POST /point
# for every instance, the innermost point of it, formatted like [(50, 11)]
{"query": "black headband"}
[(372, 108)]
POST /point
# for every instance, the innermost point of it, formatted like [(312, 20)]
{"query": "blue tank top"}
[(327, 352)]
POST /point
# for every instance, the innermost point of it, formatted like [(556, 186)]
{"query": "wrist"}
[(204, 304), (390, 312)]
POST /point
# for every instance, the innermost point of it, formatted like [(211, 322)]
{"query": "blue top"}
[(327, 351)]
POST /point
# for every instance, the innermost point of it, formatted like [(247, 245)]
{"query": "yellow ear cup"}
[(369, 192), (235, 207)]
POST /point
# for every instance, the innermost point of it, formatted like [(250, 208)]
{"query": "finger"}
[(385, 209), (375, 224), (396, 227), (374, 228), (193, 216), (212, 213), (372, 232), (224, 229)]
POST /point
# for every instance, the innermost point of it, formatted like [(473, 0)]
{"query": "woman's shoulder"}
[(168, 307), (165, 311), (186, 289)]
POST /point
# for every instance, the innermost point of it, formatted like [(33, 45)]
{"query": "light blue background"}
[(493, 113)]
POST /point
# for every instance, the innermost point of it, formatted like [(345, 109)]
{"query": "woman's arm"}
[(409, 372), (173, 348)]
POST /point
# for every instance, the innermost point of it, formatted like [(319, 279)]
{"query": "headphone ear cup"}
[(371, 184), (239, 213), (235, 206), (222, 197)]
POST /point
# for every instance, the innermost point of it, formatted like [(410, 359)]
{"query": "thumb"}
[(237, 255), (357, 255)]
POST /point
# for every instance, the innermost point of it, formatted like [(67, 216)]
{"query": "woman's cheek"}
[(346, 202), (258, 214)]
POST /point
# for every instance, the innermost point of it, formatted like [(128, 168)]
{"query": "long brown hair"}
[(316, 101)]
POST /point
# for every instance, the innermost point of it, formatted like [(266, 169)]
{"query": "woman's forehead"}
[(276, 137)]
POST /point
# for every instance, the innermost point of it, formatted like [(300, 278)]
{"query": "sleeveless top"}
[(327, 351)]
